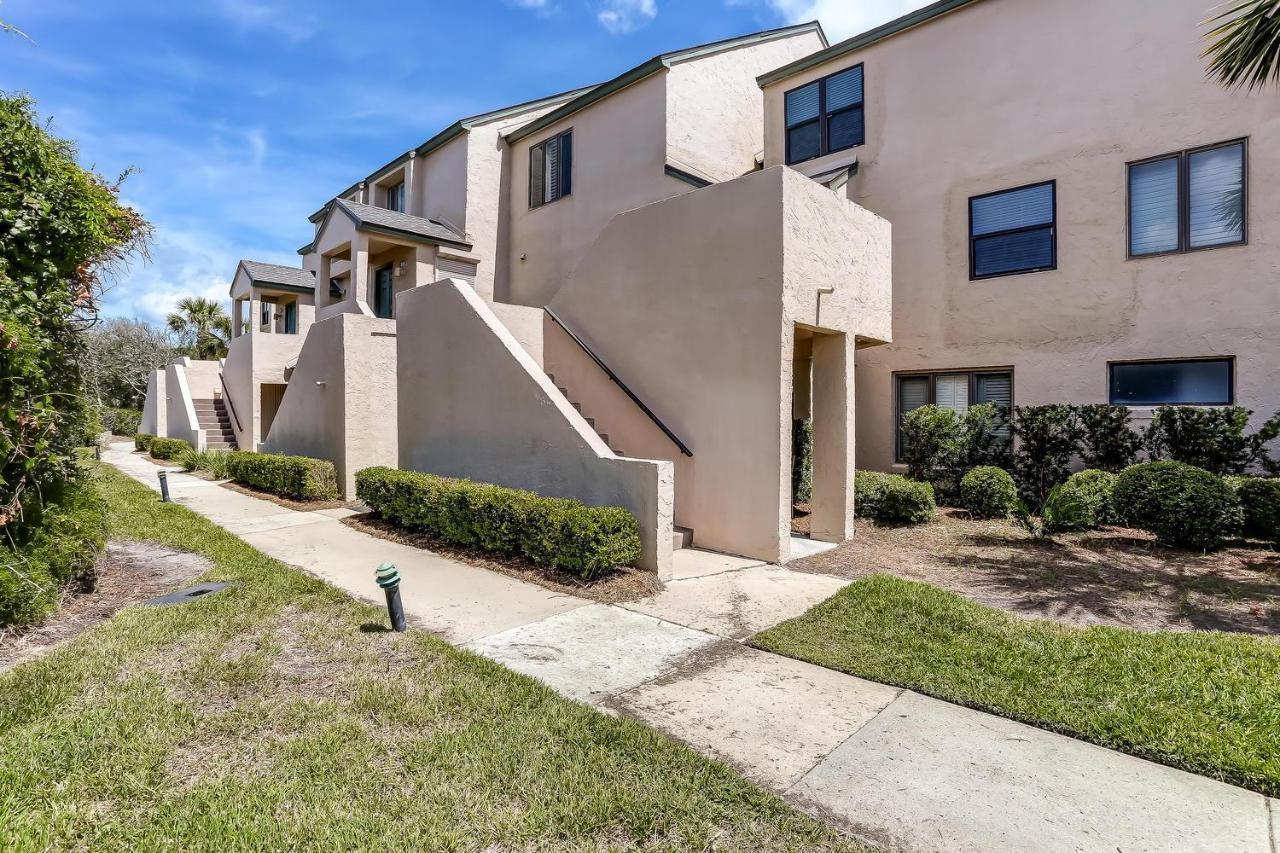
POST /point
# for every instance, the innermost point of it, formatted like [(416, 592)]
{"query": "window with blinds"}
[(1013, 231), (955, 390), (551, 169), (395, 197), (1187, 200), (825, 116)]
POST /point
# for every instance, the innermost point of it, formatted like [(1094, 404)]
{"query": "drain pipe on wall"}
[(817, 314)]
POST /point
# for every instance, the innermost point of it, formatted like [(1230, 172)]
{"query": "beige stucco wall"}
[(1079, 90), (341, 401), (693, 302), (155, 407), (476, 405), (442, 191)]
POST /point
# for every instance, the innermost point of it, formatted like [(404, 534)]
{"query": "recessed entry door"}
[(382, 292)]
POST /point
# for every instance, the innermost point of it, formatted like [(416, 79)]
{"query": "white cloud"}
[(624, 16), (843, 18), (275, 17)]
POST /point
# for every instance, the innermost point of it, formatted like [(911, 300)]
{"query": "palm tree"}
[(1244, 44), (202, 327)]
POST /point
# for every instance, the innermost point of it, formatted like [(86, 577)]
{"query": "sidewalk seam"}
[(896, 696)]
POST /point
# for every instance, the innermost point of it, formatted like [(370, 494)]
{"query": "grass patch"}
[(278, 715), (1206, 702)]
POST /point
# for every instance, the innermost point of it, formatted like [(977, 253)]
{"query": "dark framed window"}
[(395, 197), (950, 389), (551, 169), (1188, 200), (826, 115), (383, 293), (1181, 382), (1013, 231), (291, 318)]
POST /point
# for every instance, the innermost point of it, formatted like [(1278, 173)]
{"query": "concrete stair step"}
[(681, 537)]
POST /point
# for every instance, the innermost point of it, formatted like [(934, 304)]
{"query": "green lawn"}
[(1206, 702), (276, 716)]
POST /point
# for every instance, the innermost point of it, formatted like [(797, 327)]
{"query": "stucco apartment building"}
[(626, 293)]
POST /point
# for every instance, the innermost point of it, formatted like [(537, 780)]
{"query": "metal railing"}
[(613, 376), (226, 395)]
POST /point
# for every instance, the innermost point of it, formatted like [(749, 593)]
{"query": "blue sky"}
[(243, 116)]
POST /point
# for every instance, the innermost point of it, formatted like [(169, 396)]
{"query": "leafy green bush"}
[(58, 548), (1096, 490), (1049, 437), (142, 441), (988, 492), (298, 477), (892, 498), (559, 532), (1260, 505), (1179, 503), (212, 461), (801, 460), (1108, 442), (168, 448), (120, 421), (1214, 439), (939, 446), (1062, 510)]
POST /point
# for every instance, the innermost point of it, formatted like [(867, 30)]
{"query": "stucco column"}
[(323, 274), (424, 265), (360, 270), (255, 310), (833, 438), (802, 373), (237, 327)]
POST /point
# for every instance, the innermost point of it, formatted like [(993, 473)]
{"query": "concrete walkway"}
[(889, 765)]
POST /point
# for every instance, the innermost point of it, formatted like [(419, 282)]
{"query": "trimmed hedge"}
[(988, 492), (892, 498), (299, 477), (1181, 504), (558, 532), (142, 441), (168, 448), (61, 549), (1096, 492), (1260, 504), (801, 460)]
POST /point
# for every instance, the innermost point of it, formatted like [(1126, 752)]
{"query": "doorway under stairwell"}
[(821, 440)]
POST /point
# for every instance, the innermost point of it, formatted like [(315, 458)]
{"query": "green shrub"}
[(1179, 503), (1096, 490), (801, 460), (167, 448), (298, 477), (1049, 437), (892, 498), (59, 548), (1108, 442), (558, 532), (120, 421), (930, 436), (1259, 504), (1214, 439), (988, 492), (212, 461), (142, 441)]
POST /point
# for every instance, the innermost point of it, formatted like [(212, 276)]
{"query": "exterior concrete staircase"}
[(681, 537), (216, 423)]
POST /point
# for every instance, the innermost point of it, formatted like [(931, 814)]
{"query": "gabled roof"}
[(378, 219), (452, 132), (658, 63), (858, 42), (290, 277)]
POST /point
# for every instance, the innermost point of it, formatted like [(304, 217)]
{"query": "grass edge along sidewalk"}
[(1207, 702), (279, 714)]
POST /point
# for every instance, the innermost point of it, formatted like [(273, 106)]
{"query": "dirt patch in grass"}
[(288, 503), (127, 573), (624, 584), (1112, 576)]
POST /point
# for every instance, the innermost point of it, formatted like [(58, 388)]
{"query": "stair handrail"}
[(613, 376), (226, 395)]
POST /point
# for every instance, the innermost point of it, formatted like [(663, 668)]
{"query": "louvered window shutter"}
[(952, 392), (1216, 187), (537, 168), (1153, 207), (1012, 231)]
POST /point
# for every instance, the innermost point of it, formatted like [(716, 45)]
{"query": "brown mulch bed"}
[(127, 573), (624, 584), (287, 503), (1112, 576), (800, 511)]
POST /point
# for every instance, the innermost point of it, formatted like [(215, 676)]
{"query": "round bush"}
[(892, 498), (988, 492), (1260, 503), (1094, 490), (1181, 504)]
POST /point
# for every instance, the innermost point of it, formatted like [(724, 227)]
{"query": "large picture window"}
[(1013, 231), (955, 390), (1187, 200), (1187, 382), (825, 116), (551, 169)]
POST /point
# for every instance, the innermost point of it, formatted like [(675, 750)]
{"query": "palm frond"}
[(1244, 44)]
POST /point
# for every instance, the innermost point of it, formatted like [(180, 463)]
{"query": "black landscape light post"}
[(389, 580), (164, 487)]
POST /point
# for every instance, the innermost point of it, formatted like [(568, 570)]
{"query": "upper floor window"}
[(551, 169), (1013, 231), (1187, 200), (395, 197), (1189, 382), (825, 116)]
